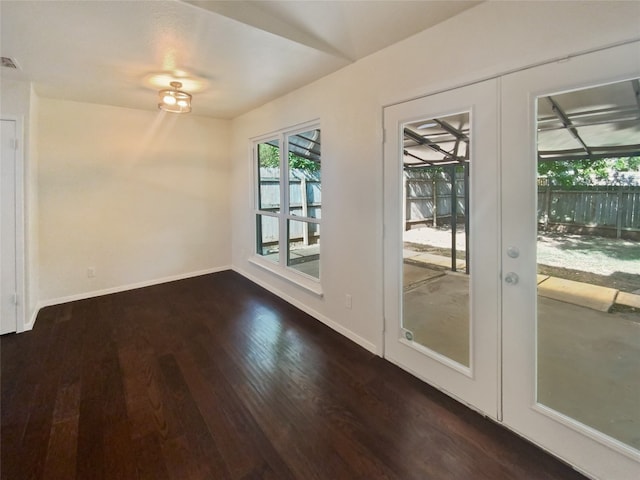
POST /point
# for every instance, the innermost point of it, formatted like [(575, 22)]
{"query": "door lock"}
[(511, 278)]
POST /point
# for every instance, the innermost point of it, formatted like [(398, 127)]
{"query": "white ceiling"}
[(232, 55)]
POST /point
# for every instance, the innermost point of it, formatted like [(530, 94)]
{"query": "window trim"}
[(284, 216)]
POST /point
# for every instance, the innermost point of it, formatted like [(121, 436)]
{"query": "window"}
[(289, 201)]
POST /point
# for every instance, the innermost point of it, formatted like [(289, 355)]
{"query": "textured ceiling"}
[(233, 56)]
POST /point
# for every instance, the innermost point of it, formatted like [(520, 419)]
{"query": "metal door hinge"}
[(14, 143), (15, 299)]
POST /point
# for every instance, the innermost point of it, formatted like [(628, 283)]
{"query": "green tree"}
[(586, 172), (270, 157)]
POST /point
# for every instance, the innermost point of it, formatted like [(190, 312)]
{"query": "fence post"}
[(619, 214), (547, 205), (305, 209), (434, 188)]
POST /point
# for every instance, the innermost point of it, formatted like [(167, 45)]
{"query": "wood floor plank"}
[(149, 460), (203, 445), (310, 398), (61, 452), (213, 377), (244, 446), (119, 458), (33, 451)]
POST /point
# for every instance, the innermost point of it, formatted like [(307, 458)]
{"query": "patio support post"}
[(466, 218), (454, 216), (305, 208)]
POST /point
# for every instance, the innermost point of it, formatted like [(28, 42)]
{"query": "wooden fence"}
[(609, 211), (305, 200), (429, 197), (602, 210)]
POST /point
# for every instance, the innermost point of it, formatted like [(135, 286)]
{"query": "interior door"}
[(441, 242), (8, 278), (571, 347)]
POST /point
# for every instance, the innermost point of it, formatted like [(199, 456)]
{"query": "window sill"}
[(299, 279)]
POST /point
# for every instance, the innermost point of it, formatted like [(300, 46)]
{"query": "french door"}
[(571, 352), (498, 289), (442, 297)]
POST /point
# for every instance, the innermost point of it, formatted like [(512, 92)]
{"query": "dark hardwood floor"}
[(215, 378)]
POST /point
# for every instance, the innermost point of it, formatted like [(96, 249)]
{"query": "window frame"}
[(283, 215)]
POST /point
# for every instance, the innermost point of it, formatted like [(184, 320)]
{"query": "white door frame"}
[(581, 446), (20, 220)]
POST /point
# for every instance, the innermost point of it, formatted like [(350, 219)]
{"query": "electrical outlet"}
[(91, 272), (348, 301)]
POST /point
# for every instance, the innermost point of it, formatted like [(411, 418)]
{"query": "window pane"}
[(305, 174), (267, 237), (303, 252), (269, 174)]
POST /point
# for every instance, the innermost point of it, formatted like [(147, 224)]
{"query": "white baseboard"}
[(32, 321), (318, 316), (120, 288)]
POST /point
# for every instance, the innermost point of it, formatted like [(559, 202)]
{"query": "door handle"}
[(513, 252), (511, 278)]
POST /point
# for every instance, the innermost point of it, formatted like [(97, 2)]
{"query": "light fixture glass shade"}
[(174, 100)]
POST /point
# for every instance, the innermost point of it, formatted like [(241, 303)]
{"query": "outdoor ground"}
[(587, 358), (606, 262)]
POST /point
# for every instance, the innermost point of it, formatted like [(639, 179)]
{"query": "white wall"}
[(139, 196), (15, 97), (488, 40)]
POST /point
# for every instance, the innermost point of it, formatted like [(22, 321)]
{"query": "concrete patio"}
[(588, 358)]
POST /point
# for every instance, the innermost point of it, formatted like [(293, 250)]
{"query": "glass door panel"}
[(435, 251), (588, 253)]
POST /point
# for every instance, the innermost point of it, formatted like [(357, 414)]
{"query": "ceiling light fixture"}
[(174, 100)]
